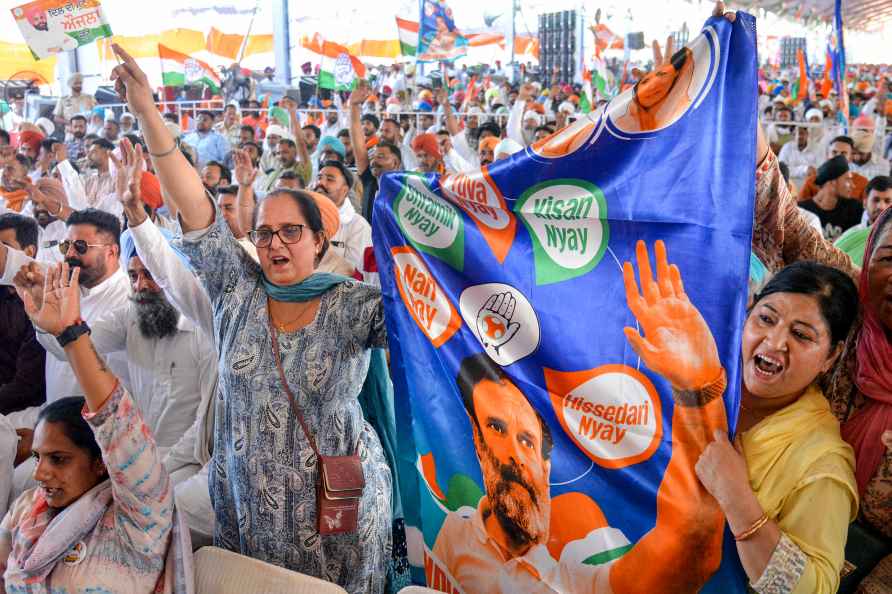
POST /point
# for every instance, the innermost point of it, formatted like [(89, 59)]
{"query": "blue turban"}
[(334, 144), (128, 247)]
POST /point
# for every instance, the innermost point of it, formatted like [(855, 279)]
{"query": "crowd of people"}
[(190, 316)]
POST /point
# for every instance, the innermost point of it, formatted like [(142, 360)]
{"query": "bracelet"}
[(164, 154), (757, 525)]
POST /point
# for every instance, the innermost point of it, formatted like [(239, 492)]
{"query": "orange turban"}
[(31, 139), (331, 218), (150, 190), (428, 143), (489, 144)]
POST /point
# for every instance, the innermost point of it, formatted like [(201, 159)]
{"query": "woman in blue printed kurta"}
[(263, 475), (264, 472)]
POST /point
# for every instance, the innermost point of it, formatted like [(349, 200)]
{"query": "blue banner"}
[(565, 331), (438, 39)]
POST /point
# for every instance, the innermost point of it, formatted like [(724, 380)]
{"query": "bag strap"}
[(274, 335)]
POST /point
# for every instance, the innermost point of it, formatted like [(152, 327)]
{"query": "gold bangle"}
[(757, 525)]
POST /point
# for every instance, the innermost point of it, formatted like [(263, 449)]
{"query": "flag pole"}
[(244, 46)]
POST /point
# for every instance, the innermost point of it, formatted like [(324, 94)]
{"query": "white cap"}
[(393, 109), (46, 125), (567, 107), (127, 116)]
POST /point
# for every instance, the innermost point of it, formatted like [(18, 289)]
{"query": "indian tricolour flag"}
[(408, 34), (179, 69), (340, 70), (586, 99), (599, 76)]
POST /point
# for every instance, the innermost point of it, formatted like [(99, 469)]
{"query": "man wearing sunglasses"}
[(91, 243)]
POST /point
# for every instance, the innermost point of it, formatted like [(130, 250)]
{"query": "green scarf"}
[(311, 287)]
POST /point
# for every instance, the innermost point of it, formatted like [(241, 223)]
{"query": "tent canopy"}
[(866, 15)]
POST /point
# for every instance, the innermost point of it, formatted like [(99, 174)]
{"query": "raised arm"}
[(357, 139), (60, 310), (452, 125), (245, 175), (683, 549), (303, 154), (180, 180), (514, 126)]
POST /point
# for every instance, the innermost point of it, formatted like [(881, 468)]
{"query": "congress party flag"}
[(408, 36), (54, 26), (839, 63), (178, 69), (564, 331), (340, 70), (438, 39)]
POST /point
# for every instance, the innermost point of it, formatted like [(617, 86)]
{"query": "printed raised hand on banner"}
[(494, 325), (677, 342)]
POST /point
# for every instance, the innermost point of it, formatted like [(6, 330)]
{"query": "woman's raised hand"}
[(61, 300), (131, 83)]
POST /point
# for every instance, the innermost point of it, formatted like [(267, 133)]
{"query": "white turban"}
[(506, 148), (46, 125), (280, 131), (814, 113), (567, 107), (393, 109), (532, 115)]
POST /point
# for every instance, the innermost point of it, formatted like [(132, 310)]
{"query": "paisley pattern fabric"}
[(263, 473), (784, 569)]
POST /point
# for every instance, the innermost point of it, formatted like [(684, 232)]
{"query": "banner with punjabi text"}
[(565, 330), (54, 26)]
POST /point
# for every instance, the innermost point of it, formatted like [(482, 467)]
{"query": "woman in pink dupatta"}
[(102, 518)]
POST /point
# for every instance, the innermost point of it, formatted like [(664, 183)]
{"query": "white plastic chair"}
[(218, 571)]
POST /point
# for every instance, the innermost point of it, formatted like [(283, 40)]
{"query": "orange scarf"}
[(15, 199)]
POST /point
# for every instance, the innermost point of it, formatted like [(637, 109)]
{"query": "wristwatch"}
[(72, 333)]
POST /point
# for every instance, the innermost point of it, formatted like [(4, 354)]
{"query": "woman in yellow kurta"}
[(787, 485)]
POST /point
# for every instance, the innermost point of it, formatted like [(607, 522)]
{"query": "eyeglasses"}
[(80, 246), (287, 234)]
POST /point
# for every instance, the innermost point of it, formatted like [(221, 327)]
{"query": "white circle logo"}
[(613, 413), (502, 319)]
